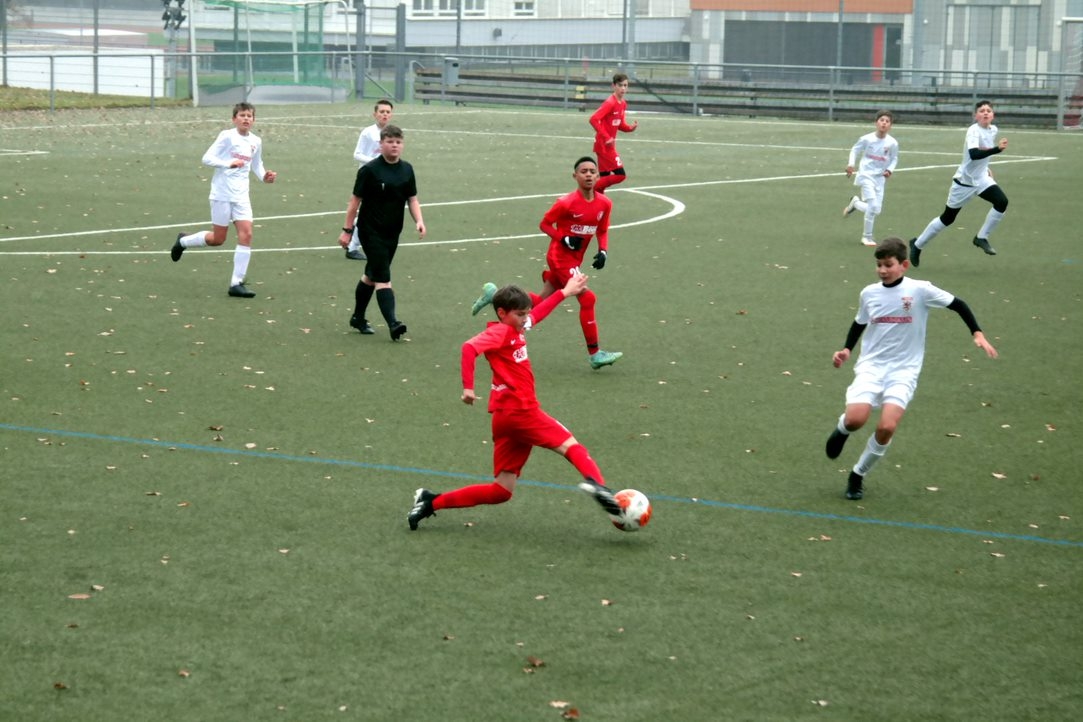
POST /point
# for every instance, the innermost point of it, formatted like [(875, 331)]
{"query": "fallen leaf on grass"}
[(80, 595), (558, 704), (570, 713), (535, 662), (998, 475), (184, 673), (59, 685)]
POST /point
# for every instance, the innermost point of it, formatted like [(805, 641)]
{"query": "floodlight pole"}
[(97, 3), (4, 37), (359, 57)]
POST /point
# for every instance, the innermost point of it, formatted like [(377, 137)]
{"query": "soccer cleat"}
[(915, 253), (602, 495), (398, 329), (362, 325), (854, 488), (177, 249), (239, 291), (604, 358), (486, 297), (835, 442), (983, 243), (866, 241), (422, 508), (850, 207), (356, 256)]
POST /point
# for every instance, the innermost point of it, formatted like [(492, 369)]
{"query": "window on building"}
[(447, 8), (523, 8)]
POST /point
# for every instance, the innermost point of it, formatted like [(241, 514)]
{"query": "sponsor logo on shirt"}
[(519, 355), (893, 319), (581, 229)]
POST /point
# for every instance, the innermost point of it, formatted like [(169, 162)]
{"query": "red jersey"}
[(574, 215), (607, 120), (505, 350)]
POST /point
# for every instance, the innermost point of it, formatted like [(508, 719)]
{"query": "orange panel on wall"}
[(807, 6)]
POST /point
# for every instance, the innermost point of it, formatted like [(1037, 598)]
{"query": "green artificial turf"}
[(227, 480)]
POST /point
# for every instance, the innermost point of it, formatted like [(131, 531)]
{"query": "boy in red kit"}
[(606, 121), (519, 424), (570, 224)]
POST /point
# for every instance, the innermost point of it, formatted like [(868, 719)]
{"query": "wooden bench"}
[(910, 103)]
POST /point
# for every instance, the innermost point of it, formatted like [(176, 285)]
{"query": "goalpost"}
[(302, 21), (1070, 101)]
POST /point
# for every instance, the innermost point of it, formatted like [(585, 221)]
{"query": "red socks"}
[(475, 495), (580, 458)]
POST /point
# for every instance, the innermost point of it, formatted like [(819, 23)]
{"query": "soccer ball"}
[(635, 510)]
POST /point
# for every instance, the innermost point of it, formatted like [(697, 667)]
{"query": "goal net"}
[(1070, 105), (270, 46)]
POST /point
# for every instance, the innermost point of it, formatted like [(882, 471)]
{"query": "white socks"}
[(194, 240), (241, 256), (872, 453), (992, 218)]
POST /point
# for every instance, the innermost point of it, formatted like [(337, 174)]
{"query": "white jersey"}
[(971, 172), (872, 155), (896, 319), (231, 184), (368, 144)]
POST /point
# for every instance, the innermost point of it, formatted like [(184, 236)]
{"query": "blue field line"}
[(541, 484)]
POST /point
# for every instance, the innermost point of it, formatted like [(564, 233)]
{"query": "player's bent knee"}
[(948, 216), (587, 299)]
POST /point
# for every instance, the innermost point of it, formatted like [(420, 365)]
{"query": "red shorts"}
[(516, 433), (608, 158)]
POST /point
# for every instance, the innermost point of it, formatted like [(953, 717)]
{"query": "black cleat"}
[(362, 325), (398, 330), (915, 253), (177, 249), (835, 442), (356, 256), (983, 243), (854, 488), (422, 508), (239, 291), (602, 495)]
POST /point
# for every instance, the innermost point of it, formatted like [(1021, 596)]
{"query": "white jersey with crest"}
[(872, 155), (971, 172), (895, 318), (231, 184)]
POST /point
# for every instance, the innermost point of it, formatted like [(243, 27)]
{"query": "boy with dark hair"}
[(382, 187), (518, 422), (895, 311), (873, 157), (973, 178), (570, 223), (606, 121), (234, 154), (368, 148)]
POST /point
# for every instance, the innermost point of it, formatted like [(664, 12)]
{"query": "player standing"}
[(973, 178), (368, 147), (606, 121), (874, 155)]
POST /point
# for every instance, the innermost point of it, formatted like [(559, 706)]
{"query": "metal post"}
[(96, 5), (359, 57), (458, 27), (4, 36), (400, 50)]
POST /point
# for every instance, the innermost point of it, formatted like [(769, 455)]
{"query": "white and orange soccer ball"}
[(635, 510)]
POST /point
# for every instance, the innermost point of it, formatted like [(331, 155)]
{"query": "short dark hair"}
[(892, 248), (619, 78), (390, 131), (243, 106), (980, 103), (584, 159), (881, 113), (512, 298), (383, 101)]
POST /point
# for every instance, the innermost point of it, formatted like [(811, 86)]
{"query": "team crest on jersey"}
[(908, 303), (519, 354)]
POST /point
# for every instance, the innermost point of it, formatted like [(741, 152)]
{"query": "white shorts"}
[(225, 212), (876, 388), (958, 195), (872, 190)]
